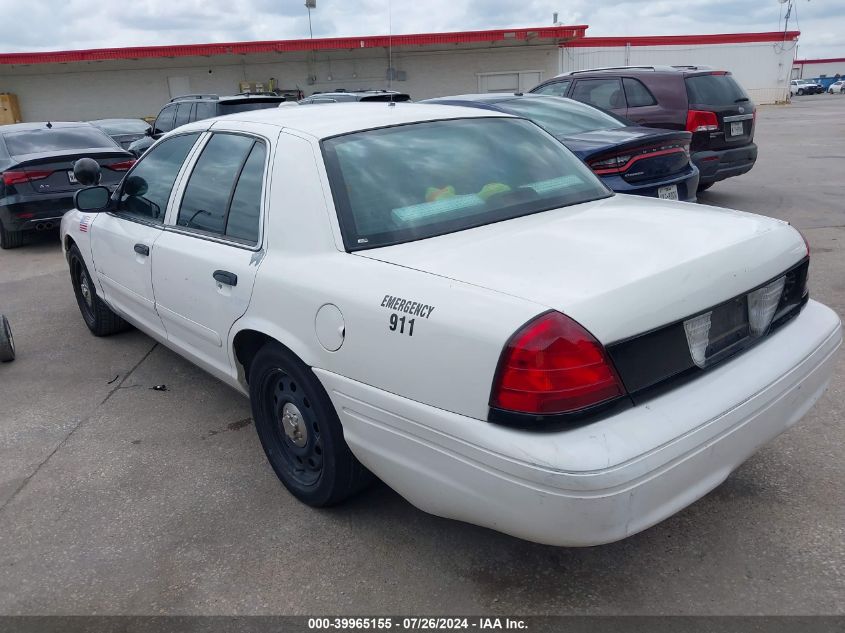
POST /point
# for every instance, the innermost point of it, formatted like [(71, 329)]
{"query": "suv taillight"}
[(702, 121), (553, 365)]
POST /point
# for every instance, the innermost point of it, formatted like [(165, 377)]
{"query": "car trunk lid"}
[(636, 153), (619, 266), (52, 172)]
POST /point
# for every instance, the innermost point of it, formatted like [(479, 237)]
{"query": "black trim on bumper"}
[(726, 163)]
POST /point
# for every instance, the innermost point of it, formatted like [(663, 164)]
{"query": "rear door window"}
[(205, 110), (57, 139), (183, 114), (245, 210), (210, 188), (604, 93), (164, 122), (637, 94), (714, 90), (558, 88)]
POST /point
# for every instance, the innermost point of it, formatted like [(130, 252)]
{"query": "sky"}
[(34, 25)]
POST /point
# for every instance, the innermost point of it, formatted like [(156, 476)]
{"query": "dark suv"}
[(709, 103), (190, 108)]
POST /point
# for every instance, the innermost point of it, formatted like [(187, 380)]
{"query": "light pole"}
[(310, 4)]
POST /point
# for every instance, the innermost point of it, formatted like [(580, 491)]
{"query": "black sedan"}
[(629, 159), (123, 131), (36, 173)]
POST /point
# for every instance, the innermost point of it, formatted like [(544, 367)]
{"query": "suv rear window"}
[(57, 139), (714, 90), (415, 181)]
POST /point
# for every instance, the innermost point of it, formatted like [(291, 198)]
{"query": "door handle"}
[(142, 249), (225, 277)]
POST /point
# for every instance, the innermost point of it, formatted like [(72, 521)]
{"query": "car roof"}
[(323, 120), (28, 127), (650, 70)]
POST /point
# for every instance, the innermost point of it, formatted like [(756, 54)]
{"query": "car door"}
[(604, 92), (207, 257), (122, 241)]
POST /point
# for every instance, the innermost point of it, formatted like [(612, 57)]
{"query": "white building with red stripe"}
[(137, 81)]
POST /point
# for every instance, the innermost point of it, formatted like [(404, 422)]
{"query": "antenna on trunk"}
[(390, 52)]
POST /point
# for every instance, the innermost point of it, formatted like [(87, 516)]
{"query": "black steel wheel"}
[(99, 318), (300, 431)]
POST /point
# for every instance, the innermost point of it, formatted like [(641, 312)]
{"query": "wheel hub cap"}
[(293, 424), (84, 288)]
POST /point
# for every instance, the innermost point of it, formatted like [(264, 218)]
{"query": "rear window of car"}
[(419, 180), (714, 90), (561, 117), (57, 139), (120, 126)]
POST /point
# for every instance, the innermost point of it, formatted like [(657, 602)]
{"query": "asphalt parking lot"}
[(119, 499)]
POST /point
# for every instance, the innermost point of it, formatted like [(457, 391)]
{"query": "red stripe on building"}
[(670, 40), (277, 46), (830, 60)]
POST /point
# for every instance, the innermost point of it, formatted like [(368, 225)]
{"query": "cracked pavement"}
[(117, 499)]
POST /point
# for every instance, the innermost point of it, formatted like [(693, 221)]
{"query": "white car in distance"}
[(448, 299), (837, 87)]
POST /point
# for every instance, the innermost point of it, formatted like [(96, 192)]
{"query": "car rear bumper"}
[(600, 482), (686, 183), (23, 213), (720, 164)]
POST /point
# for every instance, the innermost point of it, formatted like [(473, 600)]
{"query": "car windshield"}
[(416, 181), (122, 126), (561, 117), (57, 139)]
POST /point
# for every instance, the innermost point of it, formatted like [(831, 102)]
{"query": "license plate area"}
[(669, 192), (728, 327), (736, 128), (72, 178)]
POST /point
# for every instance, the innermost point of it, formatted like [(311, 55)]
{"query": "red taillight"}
[(620, 163), (553, 365), (16, 177), (702, 121), (124, 166)]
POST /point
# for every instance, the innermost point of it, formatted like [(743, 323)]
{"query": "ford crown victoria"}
[(446, 298)]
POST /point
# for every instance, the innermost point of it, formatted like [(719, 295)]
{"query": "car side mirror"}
[(148, 131), (92, 199), (87, 171)]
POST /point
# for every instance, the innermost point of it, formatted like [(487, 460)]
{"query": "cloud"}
[(73, 24)]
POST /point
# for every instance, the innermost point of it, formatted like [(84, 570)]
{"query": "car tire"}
[(10, 239), (801, 92), (7, 343), (704, 186), (300, 431), (99, 318)]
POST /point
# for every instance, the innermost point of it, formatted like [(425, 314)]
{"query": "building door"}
[(520, 81)]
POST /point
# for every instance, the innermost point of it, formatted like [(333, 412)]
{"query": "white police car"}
[(450, 299)]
